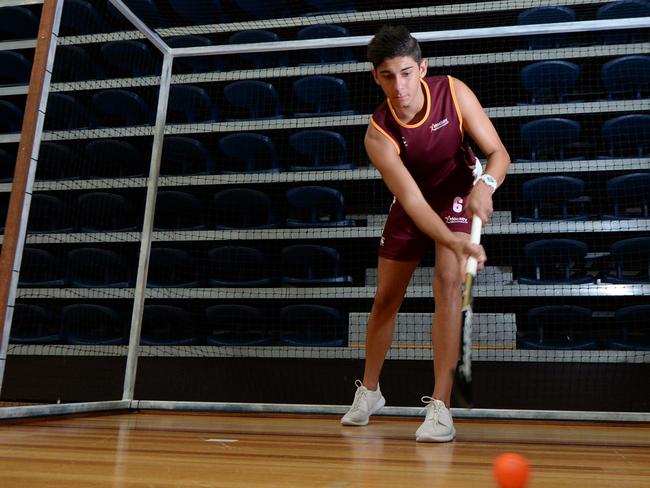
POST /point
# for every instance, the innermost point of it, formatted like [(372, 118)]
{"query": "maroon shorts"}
[(402, 240)]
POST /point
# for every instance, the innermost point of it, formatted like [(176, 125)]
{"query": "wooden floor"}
[(157, 449)]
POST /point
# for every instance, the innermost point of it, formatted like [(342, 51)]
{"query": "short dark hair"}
[(392, 42)]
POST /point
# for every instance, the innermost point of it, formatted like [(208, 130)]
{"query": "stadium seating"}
[(172, 268), (318, 149), (237, 266), (633, 330), (630, 259), (48, 213), (120, 108), (253, 99), (546, 15), (86, 324), (630, 196), (312, 265), (7, 165), (190, 104), (551, 138), (626, 77), (40, 268), (15, 69), (332, 6), (556, 262), (34, 324), (55, 161), (91, 267), (146, 10), (167, 325), (199, 13), (318, 96), (259, 60), (627, 135), (261, 9), (312, 325), (247, 152), (243, 208), (112, 158), (124, 59), (185, 156), (549, 81), (73, 63), (80, 17), (11, 117), (326, 55), (65, 112), (177, 210), (621, 10), (18, 23), (551, 197), (194, 64), (104, 212), (560, 327), (235, 325), (317, 206)]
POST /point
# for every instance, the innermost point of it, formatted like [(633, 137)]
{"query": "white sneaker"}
[(438, 425), (366, 402)]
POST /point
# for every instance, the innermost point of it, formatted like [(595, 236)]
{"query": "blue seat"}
[(630, 196), (546, 15), (332, 6), (146, 10), (40, 268), (33, 324), (319, 96), (560, 327), (194, 64), (237, 266), (18, 23), (48, 213), (247, 152), (185, 156), (235, 325), (189, 104), (111, 158), (329, 55), (120, 108), (104, 212), (261, 9), (7, 166), (252, 99), (633, 329), (55, 161), (167, 325), (86, 324), (171, 268), (317, 206), (630, 259), (318, 149), (199, 13), (627, 135), (91, 267), (73, 63), (177, 210), (550, 197), (556, 262), (243, 208), (551, 138), (312, 265), (549, 81), (15, 69), (80, 17), (11, 117), (622, 10), (626, 77), (312, 326), (65, 112), (259, 60), (129, 59)]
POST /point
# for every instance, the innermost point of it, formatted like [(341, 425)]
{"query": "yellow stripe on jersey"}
[(427, 96), (453, 96), (376, 126)]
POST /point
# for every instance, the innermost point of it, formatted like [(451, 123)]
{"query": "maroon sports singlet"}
[(440, 161)]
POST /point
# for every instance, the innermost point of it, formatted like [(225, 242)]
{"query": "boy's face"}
[(399, 78)]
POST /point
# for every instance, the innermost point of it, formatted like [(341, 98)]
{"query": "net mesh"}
[(268, 214)]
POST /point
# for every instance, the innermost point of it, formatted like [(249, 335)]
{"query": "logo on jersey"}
[(406, 144), (439, 125)]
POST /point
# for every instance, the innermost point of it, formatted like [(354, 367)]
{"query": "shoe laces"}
[(434, 406), (359, 396)]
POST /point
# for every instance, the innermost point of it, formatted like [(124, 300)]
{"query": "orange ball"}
[(511, 470)]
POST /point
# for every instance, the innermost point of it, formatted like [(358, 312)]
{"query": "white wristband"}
[(489, 180)]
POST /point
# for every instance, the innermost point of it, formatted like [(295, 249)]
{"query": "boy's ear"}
[(424, 66), (374, 75)]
